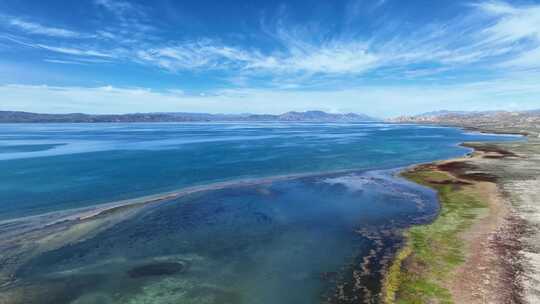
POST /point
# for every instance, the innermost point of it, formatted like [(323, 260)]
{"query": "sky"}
[(381, 57)]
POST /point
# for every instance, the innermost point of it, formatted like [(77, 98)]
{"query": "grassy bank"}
[(422, 269)]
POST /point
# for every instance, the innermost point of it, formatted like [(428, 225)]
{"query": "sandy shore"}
[(494, 255)]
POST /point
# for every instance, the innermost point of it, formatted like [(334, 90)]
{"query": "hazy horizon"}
[(263, 113)]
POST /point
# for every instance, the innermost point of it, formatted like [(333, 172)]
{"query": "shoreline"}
[(471, 253), (74, 224)]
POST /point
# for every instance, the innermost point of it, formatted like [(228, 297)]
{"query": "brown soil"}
[(491, 271), (490, 149)]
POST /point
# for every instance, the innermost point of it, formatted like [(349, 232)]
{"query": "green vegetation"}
[(433, 251)]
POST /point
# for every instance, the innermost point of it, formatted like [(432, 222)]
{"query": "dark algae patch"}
[(490, 150), (465, 171), (359, 282), (157, 269)]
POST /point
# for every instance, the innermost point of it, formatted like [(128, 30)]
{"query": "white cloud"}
[(59, 61), (107, 35), (492, 37), (35, 28), (335, 57), (131, 16), (73, 51), (516, 28), (526, 60), (513, 23), (194, 55), (492, 34), (115, 6), (331, 58), (382, 101)]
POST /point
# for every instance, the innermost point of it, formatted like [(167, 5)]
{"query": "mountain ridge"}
[(445, 115), (291, 116), (518, 122)]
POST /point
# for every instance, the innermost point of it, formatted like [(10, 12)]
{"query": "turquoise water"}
[(319, 238), (47, 167)]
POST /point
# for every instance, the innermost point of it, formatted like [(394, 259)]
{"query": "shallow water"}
[(282, 242), (320, 238)]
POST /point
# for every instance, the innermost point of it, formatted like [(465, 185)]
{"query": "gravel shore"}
[(497, 251)]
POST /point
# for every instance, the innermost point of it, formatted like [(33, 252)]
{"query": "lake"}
[(277, 212)]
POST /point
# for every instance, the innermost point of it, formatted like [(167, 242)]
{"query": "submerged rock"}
[(157, 269)]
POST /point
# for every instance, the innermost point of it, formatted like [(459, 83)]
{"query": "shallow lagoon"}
[(325, 237), (293, 241)]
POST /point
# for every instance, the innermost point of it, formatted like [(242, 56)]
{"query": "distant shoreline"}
[(293, 116)]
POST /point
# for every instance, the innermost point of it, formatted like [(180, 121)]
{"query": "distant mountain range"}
[(308, 116), (465, 117), (519, 122)]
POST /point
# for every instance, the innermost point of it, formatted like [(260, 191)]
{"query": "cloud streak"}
[(330, 58), (74, 51), (381, 101), (36, 28), (115, 6), (493, 32)]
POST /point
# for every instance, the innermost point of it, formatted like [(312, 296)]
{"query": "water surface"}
[(324, 237), (47, 167)]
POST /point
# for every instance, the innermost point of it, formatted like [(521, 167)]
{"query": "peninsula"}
[(484, 246)]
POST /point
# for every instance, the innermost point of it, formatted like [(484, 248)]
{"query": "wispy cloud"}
[(332, 58), (492, 32), (115, 6), (526, 60), (204, 54), (132, 17), (74, 51), (59, 61), (517, 28), (36, 28), (501, 94), (491, 37), (513, 23)]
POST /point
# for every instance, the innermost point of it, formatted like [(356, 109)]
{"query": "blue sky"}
[(380, 57)]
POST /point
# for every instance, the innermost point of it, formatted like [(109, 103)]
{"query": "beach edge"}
[(489, 224)]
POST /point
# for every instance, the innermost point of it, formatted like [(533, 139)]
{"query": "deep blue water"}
[(47, 167), (319, 238)]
